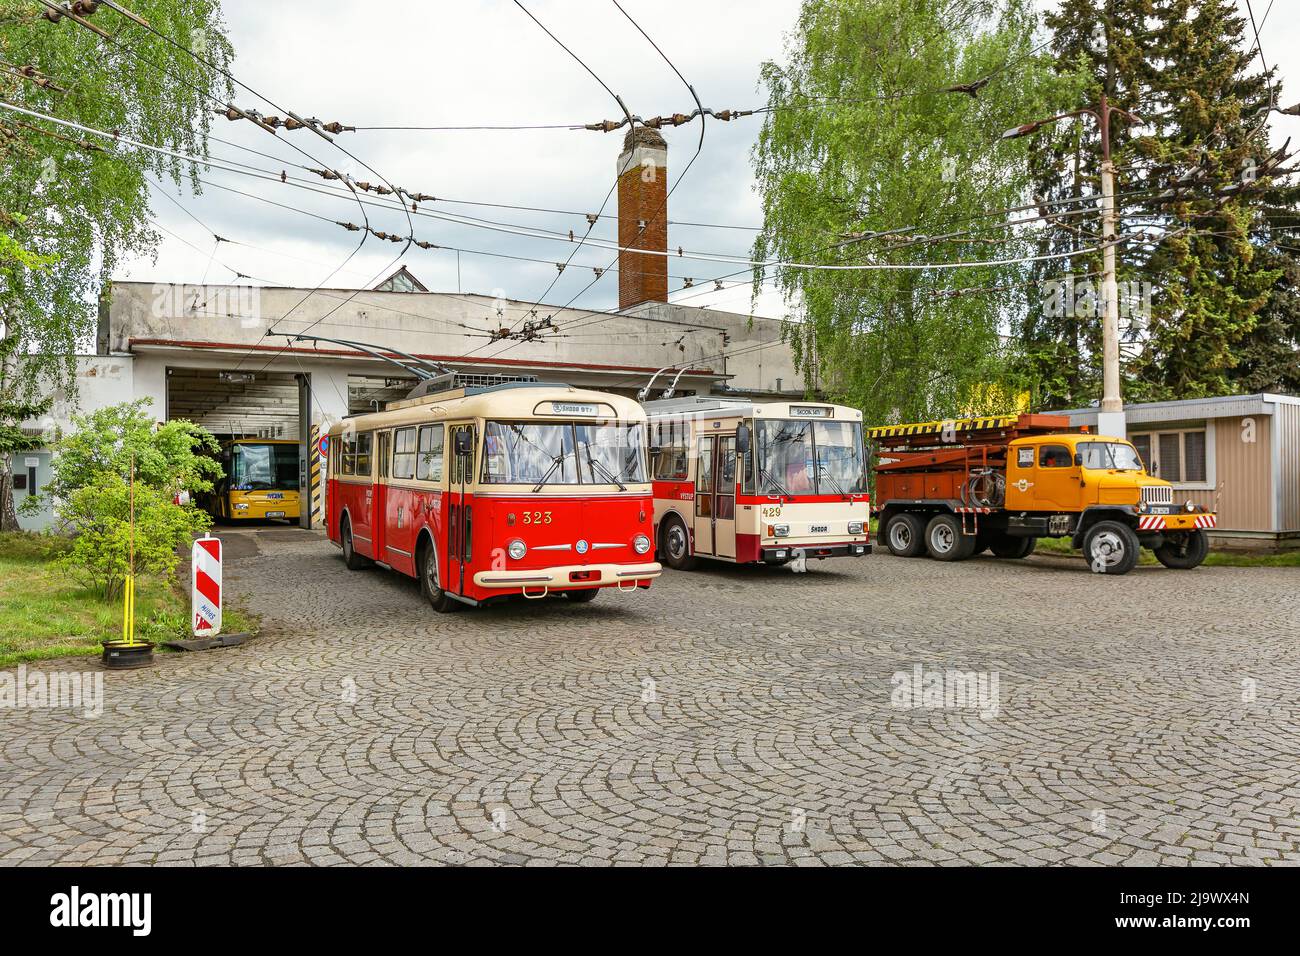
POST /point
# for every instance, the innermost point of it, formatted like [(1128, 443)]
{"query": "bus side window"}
[(429, 463), (404, 453), (457, 465), (348, 454), (364, 440)]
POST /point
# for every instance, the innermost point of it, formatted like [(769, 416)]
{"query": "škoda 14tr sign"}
[(205, 587)]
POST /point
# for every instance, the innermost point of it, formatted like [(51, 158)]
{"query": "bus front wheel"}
[(428, 569), (675, 545)]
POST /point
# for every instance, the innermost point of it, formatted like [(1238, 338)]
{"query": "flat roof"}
[(1224, 406)]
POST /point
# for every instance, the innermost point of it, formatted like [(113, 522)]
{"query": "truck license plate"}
[(818, 528)]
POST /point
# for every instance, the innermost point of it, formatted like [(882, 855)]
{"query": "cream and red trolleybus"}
[(750, 482), (481, 493)]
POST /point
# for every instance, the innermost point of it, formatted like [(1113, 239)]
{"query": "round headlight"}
[(641, 544), (1190, 505), (516, 549)]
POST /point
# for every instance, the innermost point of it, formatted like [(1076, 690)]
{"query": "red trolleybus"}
[(750, 482), (482, 493)]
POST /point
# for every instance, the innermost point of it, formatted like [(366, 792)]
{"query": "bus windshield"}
[(809, 458), (1099, 455), (266, 467), (563, 453)]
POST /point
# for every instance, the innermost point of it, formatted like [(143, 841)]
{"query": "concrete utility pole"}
[(1110, 418)]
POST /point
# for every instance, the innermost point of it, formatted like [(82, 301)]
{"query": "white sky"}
[(484, 62)]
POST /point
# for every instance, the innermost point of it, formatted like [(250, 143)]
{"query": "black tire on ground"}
[(1183, 551), (354, 561), (1010, 546), (983, 541), (584, 596), (1111, 547), (427, 569), (675, 544), (905, 535), (944, 540)]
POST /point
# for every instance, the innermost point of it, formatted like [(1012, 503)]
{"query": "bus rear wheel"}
[(354, 561), (1183, 551), (427, 567), (675, 545), (585, 596)]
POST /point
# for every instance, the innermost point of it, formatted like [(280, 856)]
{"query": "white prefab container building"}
[(1238, 455)]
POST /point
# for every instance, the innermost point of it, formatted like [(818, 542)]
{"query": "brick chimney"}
[(642, 217)]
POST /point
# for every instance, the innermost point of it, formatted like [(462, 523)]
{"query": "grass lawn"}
[(1224, 559), (45, 614)]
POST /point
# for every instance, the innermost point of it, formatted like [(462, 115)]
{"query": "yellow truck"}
[(957, 488)]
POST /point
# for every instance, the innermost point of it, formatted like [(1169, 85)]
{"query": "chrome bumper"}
[(625, 575)]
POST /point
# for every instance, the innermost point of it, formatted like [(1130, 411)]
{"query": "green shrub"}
[(103, 551)]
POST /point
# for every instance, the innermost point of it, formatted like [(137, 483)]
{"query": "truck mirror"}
[(464, 442), (742, 439), (1078, 459)]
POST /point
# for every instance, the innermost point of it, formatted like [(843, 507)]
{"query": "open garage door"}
[(243, 405)]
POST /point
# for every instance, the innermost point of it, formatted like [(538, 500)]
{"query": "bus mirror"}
[(742, 439), (464, 442)]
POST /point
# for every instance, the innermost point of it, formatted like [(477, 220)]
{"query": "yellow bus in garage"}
[(260, 481)]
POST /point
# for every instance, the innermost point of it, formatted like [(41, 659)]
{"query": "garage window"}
[(1179, 457), (429, 466), (404, 453)]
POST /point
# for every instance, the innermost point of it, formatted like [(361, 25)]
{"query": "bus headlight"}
[(516, 549), (641, 544), (780, 530), (855, 527)]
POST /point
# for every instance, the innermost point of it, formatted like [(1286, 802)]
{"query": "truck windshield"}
[(808, 458), (563, 453), (267, 467), (1100, 455)]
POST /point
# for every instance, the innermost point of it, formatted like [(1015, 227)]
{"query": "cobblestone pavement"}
[(726, 716)]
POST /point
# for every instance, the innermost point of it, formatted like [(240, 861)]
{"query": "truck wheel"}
[(1183, 551), (1010, 546), (905, 536), (946, 542), (427, 568), (354, 561), (1111, 548), (675, 545)]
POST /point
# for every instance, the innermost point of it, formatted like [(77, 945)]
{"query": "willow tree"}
[(75, 210), (883, 140)]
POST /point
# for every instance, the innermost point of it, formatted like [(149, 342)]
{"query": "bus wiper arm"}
[(605, 471), (767, 477), (555, 463)]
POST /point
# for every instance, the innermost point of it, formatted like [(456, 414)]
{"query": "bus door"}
[(460, 444), (362, 506), (724, 497), (704, 496), (379, 488)]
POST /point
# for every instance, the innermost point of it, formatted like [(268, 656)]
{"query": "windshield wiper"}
[(555, 463), (766, 477), (609, 475), (839, 488)]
